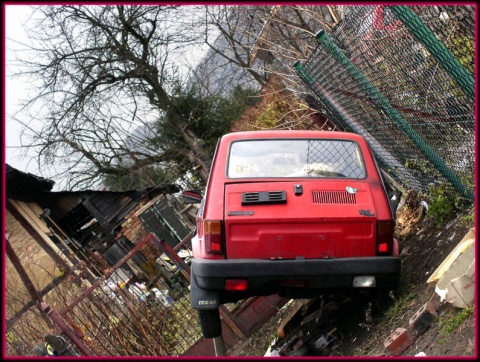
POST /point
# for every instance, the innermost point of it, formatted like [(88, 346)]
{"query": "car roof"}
[(291, 134)]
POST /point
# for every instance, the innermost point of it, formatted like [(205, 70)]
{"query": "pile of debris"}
[(318, 327), (309, 329)]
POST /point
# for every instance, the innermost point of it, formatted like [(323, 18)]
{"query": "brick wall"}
[(133, 229)]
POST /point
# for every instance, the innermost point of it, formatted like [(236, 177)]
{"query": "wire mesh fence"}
[(115, 315), (403, 78), (121, 318)]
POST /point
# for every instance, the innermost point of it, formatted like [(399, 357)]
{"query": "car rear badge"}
[(351, 190), (239, 213), (366, 213)]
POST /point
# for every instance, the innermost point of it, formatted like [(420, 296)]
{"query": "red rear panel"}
[(324, 221)]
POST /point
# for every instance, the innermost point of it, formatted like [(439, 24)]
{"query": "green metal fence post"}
[(307, 78), (340, 113), (444, 56), (385, 105)]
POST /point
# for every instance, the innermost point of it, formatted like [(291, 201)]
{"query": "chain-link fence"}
[(342, 158), (403, 77)]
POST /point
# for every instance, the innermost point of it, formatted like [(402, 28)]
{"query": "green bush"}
[(443, 203)]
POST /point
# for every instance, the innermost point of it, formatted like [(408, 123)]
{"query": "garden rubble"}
[(310, 329)]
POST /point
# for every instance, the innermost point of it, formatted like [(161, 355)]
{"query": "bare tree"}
[(288, 34), (265, 41), (235, 31), (256, 37), (107, 74), (103, 75)]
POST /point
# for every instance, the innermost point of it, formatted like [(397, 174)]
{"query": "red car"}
[(295, 213)]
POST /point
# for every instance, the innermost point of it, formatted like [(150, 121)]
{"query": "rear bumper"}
[(267, 275)]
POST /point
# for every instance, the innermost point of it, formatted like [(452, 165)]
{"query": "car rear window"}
[(295, 158)]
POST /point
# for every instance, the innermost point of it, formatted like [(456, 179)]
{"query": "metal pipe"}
[(68, 332), (219, 346), (107, 274), (435, 47)]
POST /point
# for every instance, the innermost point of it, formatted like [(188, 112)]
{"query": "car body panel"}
[(303, 226)]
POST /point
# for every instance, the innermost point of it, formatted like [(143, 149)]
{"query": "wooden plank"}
[(30, 217), (204, 346), (258, 311), (290, 320), (233, 323), (34, 215), (241, 306)]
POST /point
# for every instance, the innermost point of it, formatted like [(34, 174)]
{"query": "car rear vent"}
[(277, 196), (333, 197), (264, 197), (250, 197)]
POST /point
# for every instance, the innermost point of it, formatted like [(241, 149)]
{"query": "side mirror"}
[(192, 197)]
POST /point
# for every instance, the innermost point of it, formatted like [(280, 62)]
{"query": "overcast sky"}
[(15, 16)]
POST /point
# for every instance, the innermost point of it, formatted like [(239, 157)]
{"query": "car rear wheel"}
[(210, 323)]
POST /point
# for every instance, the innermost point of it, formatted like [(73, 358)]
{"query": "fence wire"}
[(114, 315), (120, 319), (392, 81)]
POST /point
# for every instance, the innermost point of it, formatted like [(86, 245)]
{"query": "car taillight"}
[(385, 231), (236, 284), (213, 236)]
